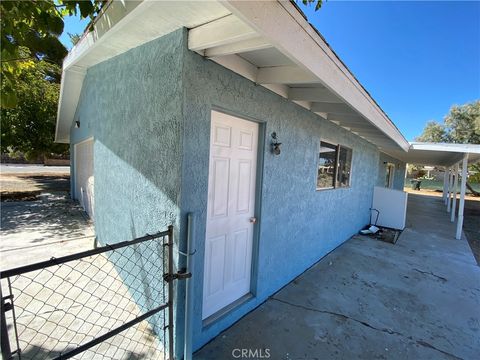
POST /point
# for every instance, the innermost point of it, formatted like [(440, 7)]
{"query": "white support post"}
[(455, 189), (445, 177), (461, 205), (450, 180)]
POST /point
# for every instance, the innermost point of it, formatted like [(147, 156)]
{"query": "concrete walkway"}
[(62, 307), (417, 299), (33, 231)]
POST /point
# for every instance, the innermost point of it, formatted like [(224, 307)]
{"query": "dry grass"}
[(437, 193)]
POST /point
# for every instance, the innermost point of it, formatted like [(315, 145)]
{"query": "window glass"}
[(344, 166), (326, 165)]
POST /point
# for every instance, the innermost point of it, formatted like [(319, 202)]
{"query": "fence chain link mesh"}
[(61, 307)]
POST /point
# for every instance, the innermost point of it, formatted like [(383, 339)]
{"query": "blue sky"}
[(73, 25), (415, 58)]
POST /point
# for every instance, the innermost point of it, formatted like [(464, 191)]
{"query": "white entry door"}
[(231, 206)]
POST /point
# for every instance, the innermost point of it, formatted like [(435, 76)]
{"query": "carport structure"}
[(454, 158)]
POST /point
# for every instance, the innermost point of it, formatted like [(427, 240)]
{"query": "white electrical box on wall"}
[(392, 207)]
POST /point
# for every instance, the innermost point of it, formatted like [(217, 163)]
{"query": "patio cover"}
[(451, 157), (438, 154)]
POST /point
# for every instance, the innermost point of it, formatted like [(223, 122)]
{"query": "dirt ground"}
[(471, 221), (27, 185)]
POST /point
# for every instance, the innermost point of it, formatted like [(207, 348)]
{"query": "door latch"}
[(180, 275)]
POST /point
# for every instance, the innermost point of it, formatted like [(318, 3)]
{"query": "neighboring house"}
[(176, 107)]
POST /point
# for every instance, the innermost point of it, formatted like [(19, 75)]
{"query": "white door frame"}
[(257, 211)]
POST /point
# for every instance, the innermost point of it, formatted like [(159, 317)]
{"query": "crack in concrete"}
[(431, 274), (385, 330), (426, 344), (389, 331)]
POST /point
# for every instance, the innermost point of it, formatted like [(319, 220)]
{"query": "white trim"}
[(219, 32), (461, 205), (237, 47), (461, 148), (281, 24), (445, 177), (450, 185), (455, 189)]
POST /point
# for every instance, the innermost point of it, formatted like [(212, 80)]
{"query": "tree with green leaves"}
[(433, 132), (318, 3), (29, 127), (31, 59), (30, 33), (461, 125)]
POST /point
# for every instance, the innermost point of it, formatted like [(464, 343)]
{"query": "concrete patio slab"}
[(33, 231), (417, 299)]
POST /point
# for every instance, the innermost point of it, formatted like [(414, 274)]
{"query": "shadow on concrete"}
[(38, 353), (50, 182), (53, 217)]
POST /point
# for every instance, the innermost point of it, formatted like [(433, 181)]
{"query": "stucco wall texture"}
[(297, 224), (132, 106), (149, 111)]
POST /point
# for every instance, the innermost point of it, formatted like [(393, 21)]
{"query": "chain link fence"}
[(107, 303)]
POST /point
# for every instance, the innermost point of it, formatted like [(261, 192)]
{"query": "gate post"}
[(170, 294), (5, 342)]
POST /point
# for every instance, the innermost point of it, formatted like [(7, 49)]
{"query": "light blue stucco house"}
[(239, 114)]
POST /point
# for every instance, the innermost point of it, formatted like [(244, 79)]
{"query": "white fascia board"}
[(111, 21), (74, 72), (461, 148), (283, 26), (70, 89)]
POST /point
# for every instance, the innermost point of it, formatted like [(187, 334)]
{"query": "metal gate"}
[(111, 302)]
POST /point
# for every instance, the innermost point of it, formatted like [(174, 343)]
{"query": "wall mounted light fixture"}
[(275, 144)]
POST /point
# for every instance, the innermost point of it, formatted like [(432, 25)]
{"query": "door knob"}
[(253, 220)]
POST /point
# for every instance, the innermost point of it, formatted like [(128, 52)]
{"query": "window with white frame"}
[(334, 166)]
